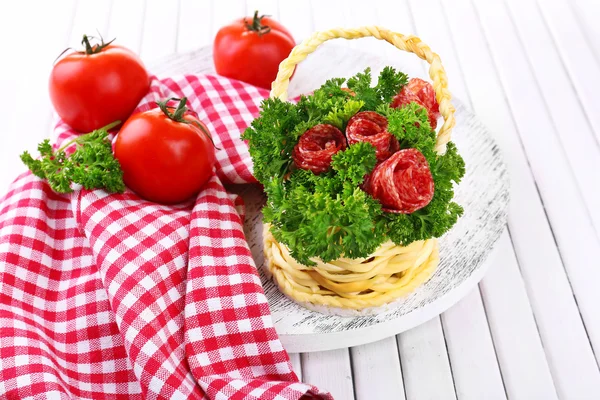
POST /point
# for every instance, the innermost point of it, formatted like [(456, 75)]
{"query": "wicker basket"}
[(392, 271)]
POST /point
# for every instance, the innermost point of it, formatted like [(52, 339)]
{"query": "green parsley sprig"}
[(328, 215), (92, 164)]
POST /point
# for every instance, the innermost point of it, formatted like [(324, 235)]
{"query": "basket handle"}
[(411, 44)]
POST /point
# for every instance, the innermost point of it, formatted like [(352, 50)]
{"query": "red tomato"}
[(93, 88), (250, 50), (165, 157)]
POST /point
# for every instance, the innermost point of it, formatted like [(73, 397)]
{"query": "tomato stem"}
[(256, 25), (93, 49), (179, 113), (89, 48)]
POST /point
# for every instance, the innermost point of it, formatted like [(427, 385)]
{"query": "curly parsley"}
[(92, 164), (328, 215)]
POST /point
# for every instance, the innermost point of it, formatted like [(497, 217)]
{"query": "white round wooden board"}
[(483, 193)]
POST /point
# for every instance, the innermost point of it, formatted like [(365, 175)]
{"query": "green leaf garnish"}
[(91, 165)]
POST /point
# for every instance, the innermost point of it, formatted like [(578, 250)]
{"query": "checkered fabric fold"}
[(111, 296)]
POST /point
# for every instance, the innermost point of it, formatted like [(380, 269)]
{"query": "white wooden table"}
[(531, 71)]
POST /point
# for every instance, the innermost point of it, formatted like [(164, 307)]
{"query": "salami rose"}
[(402, 183), (422, 93), (316, 147), (368, 126)]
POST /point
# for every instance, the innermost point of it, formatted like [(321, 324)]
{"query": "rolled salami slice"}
[(368, 126), (403, 183), (316, 147), (421, 92)]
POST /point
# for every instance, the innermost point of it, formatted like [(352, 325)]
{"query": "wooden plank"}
[(331, 14), (191, 34), (575, 134), (224, 12), (471, 351), (357, 15), (524, 367), (425, 365), (588, 13), (342, 14), (563, 334), (328, 14), (297, 17), (329, 370), (295, 359), (159, 37), (583, 67), (577, 239), (376, 371), (127, 23), (398, 19)]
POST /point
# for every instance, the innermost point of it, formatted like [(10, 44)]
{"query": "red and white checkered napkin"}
[(111, 296)]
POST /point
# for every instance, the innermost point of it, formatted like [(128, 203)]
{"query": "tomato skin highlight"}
[(89, 91), (249, 56), (163, 160)]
